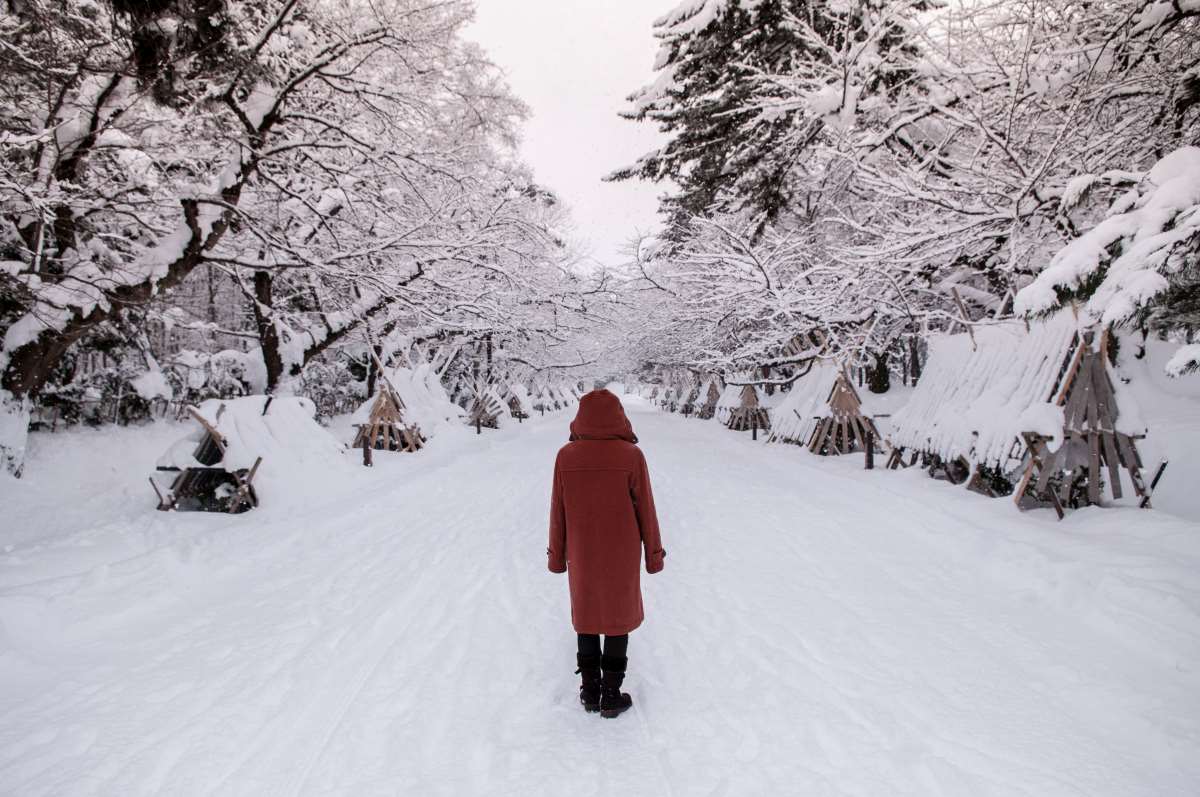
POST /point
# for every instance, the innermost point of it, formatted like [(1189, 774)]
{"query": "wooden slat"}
[(1113, 461), (1049, 464), (216, 436), (1069, 377), (1093, 468), (1077, 403)]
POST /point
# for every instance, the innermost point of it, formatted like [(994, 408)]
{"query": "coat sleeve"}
[(556, 551), (643, 504)]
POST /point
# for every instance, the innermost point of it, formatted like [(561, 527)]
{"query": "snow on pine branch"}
[(1123, 263)]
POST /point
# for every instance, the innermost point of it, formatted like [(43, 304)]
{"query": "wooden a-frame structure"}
[(709, 408), (845, 429), (1092, 446), (688, 407), (486, 409), (991, 403), (749, 415), (385, 428), (208, 486)]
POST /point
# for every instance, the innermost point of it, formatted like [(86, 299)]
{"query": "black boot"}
[(589, 688), (612, 700)]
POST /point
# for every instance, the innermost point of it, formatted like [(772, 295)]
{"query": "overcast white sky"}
[(574, 62)]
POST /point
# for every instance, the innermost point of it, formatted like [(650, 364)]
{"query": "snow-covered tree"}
[(949, 150), (1141, 263), (747, 88), (339, 163)]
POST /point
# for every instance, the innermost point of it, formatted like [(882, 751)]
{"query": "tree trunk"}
[(14, 432), (489, 358), (878, 378), (268, 332), (372, 371)]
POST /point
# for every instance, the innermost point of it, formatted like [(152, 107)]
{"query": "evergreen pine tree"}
[(737, 133)]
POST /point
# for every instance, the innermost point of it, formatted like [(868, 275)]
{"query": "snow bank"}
[(1170, 410), (975, 403), (937, 644)]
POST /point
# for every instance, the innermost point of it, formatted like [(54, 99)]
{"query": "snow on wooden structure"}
[(425, 403), (824, 413), (384, 428), (843, 429), (541, 399), (669, 400), (1094, 441), (749, 414), (729, 400), (214, 468), (520, 405), (689, 405), (805, 403), (487, 407), (1013, 402), (712, 394)]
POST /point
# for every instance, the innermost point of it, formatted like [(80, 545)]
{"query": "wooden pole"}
[(366, 447), (966, 319), (870, 450)]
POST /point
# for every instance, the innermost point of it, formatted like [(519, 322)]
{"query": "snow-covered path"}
[(817, 630)]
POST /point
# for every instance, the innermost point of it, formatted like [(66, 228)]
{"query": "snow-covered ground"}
[(818, 630)]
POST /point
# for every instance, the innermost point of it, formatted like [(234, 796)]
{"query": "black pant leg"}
[(616, 645), (589, 644)]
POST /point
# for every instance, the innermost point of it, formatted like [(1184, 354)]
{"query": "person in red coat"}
[(601, 519)]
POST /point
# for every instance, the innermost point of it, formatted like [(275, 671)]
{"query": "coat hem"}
[(609, 630)]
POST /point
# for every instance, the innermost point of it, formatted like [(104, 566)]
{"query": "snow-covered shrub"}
[(332, 387), (198, 376), (109, 376)]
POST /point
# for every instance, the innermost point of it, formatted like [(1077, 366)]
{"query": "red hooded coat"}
[(602, 517)]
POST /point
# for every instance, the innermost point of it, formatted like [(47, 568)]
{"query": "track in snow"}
[(817, 630)]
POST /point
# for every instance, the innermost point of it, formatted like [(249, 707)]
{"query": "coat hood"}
[(601, 417)]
